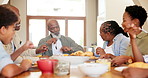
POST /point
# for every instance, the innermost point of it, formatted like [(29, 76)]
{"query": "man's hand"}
[(42, 48), (65, 49), (100, 51), (52, 40), (135, 73), (26, 64)]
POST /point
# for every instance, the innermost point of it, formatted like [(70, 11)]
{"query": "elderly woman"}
[(116, 41)]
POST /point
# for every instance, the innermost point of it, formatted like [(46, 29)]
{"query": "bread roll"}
[(139, 65), (88, 53)]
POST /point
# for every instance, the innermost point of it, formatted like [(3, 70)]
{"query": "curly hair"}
[(7, 17), (113, 28), (138, 12)]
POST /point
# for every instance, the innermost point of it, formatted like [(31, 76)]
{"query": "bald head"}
[(53, 26), (52, 23)]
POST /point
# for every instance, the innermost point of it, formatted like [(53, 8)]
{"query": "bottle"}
[(93, 49)]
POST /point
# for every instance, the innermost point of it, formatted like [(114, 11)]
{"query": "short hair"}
[(12, 8), (7, 17), (113, 28), (138, 12)]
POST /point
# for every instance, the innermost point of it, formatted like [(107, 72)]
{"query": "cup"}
[(61, 68), (46, 65), (53, 63)]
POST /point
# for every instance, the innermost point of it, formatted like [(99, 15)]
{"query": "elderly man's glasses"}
[(17, 26), (52, 28)]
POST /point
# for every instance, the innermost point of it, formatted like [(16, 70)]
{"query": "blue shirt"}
[(120, 44), (5, 58)]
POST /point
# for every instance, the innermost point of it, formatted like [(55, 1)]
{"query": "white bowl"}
[(72, 59), (93, 69)]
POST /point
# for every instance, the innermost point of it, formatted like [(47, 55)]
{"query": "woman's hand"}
[(119, 60), (100, 51), (28, 45), (107, 56), (132, 30)]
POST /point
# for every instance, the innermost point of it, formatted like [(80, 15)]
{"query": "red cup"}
[(54, 61), (46, 65)]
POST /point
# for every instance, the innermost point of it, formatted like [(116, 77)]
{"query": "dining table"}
[(34, 72)]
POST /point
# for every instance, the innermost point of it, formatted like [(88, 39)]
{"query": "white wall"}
[(116, 8), (1, 1), (144, 4), (21, 5), (4, 1), (91, 22)]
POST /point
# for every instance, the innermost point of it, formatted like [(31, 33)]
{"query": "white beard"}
[(56, 36)]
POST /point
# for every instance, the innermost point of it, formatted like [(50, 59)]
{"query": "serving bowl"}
[(72, 59), (93, 69), (46, 65)]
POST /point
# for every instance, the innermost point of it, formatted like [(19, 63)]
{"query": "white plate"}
[(120, 68)]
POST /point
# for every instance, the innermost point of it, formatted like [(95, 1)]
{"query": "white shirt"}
[(56, 48), (5, 58), (145, 58), (108, 49)]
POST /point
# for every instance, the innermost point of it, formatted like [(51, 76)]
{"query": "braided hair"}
[(113, 28)]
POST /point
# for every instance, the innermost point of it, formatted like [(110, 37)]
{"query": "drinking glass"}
[(61, 68)]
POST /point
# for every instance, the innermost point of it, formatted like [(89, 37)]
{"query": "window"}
[(70, 15), (56, 7)]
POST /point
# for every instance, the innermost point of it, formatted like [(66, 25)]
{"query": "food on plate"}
[(81, 53), (77, 53), (120, 68), (88, 53), (65, 54), (139, 65), (39, 56), (93, 57)]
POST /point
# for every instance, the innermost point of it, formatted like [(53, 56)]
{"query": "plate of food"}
[(72, 59), (120, 68)]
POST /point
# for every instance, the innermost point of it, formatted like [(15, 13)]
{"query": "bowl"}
[(93, 69), (72, 59), (46, 65)]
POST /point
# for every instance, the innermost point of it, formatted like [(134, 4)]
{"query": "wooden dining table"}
[(34, 72)]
